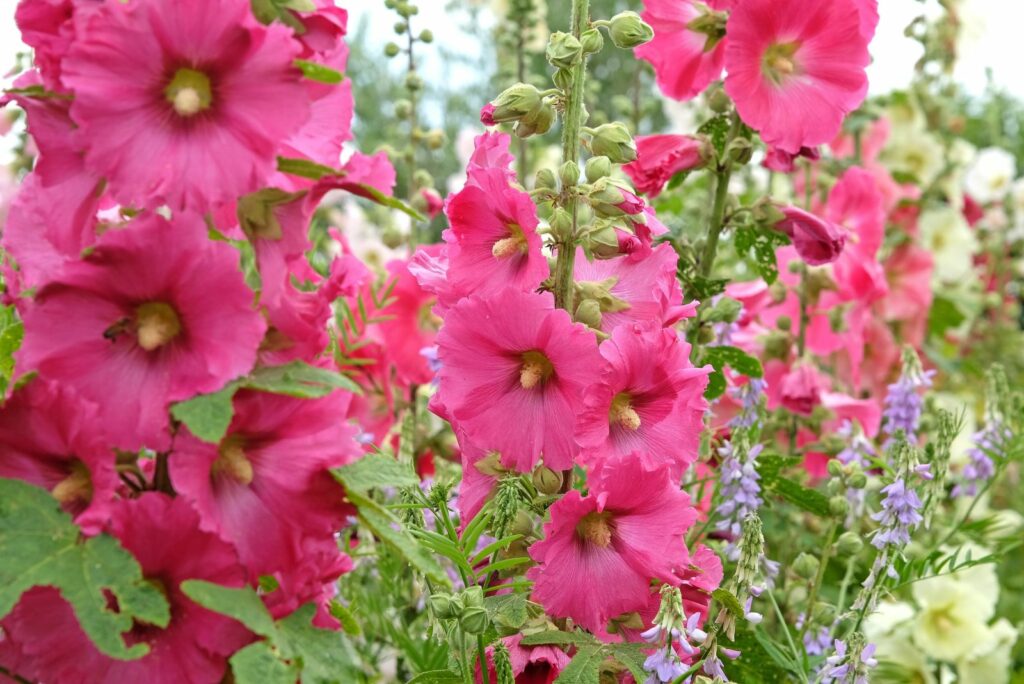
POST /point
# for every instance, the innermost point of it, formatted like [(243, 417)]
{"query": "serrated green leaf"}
[(11, 333), (346, 617), (762, 242), (208, 416), (735, 358), (319, 72), (41, 546), (633, 657), (389, 530), (436, 677), (808, 499), (584, 668), (507, 610), (374, 471), (239, 603), (298, 379), (729, 600), (717, 130), (257, 664), (557, 637)]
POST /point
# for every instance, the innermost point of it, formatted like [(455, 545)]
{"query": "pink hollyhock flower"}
[(433, 204), (817, 241), (51, 438), (659, 157), (477, 486), (795, 69), (408, 326), (648, 399), (642, 290), (856, 204), (530, 664), (199, 85), (156, 313), (163, 535), (625, 532), (511, 358), (779, 160), (314, 579), (266, 485), (872, 142), (801, 388), (685, 59), (491, 151), (493, 241)]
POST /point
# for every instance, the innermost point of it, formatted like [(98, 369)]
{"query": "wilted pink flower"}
[(684, 59), (53, 439), (779, 160), (199, 93), (156, 313), (530, 664), (163, 535), (648, 399), (625, 532), (795, 69), (266, 485), (659, 157), (511, 358), (816, 240), (643, 290), (493, 241)]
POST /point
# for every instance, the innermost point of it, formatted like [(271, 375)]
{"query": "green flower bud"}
[(403, 108), (473, 597), (515, 103), (592, 41), (546, 180), (598, 167), (422, 179), (796, 594), (613, 140), (474, 620), (443, 606), (564, 50), (784, 323), (426, 36), (858, 481), (392, 237), (718, 101), (435, 139), (413, 82), (602, 241), (392, 50), (523, 524), (561, 225), (849, 543), (536, 122), (706, 334), (838, 505), (835, 468), (823, 613), (563, 79), (588, 313), (628, 30), (569, 173), (806, 566), (546, 480), (400, 27)]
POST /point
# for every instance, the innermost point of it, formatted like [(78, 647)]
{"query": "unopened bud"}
[(515, 102), (835, 468), (523, 524), (546, 480), (563, 79), (613, 140), (806, 566), (474, 620), (823, 613), (413, 82), (838, 505), (537, 121), (628, 30), (392, 237), (597, 168), (426, 36), (849, 543), (784, 323), (564, 50), (858, 481), (443, 606), (569, 173), (435, 139), (546, 180), (592, 41), (422, 179), (392, 49), (561, 225), (403, 108), (718, 101), (473, 597), (589, 313)]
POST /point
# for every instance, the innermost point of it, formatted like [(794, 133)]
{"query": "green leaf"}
[(374, 471), (304, 168), (808, 499), (584, 668), (41, 546), (257, 664), (762, 241), (716, 385), (436, 677), (11, 333), (633, 657), (755, 665), (508, 610), (943, 315), (207, 416), (729, 600), (319, 72), (298, 379), (557, 637), (389, 530), (735, 358), (345, 616), (717, 130), (320, 656)]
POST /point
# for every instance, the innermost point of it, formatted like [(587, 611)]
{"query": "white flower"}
[(945, 233), (913, 151), (991, 662), (991, 175)]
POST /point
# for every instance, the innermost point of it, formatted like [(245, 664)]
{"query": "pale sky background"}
[(992, 40)]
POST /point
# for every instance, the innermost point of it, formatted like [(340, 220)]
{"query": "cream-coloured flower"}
[(990, 663), (912, 150), (945, 233), (889, 628), (990, 177)]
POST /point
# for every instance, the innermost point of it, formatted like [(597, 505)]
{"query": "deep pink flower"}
[(779, 160), (266, 485), (511, 358), (314, 579), (432, 202), (659, 157), (801, 388), (530, 664), (199, 93), (680, 56), (408, 326), (53, 439), (487, 115), (476, 487), (643, 290), (491, 151), (625, 532), (796, 68), (816, 240), (648, 399), (163, 535), (493, 241), (156, 313)]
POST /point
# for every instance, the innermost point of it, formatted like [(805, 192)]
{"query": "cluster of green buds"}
[(626, 30), (844, 478), (531, 110), (593, 299), (465, 607)]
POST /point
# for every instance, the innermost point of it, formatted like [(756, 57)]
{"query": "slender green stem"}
[(785, 630), (716, 223), (826, 554), (571, 122), (844, 588), (482, 655)]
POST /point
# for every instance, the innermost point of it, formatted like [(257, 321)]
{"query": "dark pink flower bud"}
[(433, 202), (781, 161), (817, 241), (487, 115), (659, 157), (801, 389)]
